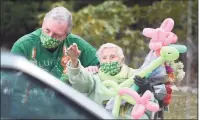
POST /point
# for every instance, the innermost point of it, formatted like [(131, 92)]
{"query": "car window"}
[(23, 96)]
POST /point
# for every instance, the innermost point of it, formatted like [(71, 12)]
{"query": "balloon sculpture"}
[(161, 39), (161, 36), (113, 92), (168, 53), (142, 103)]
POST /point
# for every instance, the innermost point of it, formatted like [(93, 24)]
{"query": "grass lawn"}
[(178, 107)]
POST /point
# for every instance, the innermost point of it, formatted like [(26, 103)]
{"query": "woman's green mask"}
[(112, 68), (49, 42)]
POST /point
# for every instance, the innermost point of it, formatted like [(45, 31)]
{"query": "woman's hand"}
[(93, 69), (73, 52)]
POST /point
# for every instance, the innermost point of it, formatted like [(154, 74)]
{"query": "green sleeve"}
[(16, 49), (88, 54), (80, 79)]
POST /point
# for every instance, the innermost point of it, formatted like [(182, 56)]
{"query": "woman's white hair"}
[(60, 14), (111, 45)]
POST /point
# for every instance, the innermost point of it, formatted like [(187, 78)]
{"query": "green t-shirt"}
[(51, 61)]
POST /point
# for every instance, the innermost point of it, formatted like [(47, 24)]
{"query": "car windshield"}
[(23, 96)]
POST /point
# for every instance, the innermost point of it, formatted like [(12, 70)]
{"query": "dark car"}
[(28, 92)]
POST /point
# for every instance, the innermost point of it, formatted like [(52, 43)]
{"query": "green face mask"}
[(110, 68), (49, 42)]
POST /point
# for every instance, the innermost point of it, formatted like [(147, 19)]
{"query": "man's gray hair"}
[(111, 45), (60, 14)]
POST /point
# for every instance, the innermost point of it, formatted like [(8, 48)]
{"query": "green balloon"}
[(116, 107), (169, 53), (180, 48), (113, 85)]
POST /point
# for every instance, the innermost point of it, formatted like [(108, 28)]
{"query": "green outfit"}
[(51, 61), (89, 84)]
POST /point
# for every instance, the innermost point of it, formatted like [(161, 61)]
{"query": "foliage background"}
[(117, 21), (101, 21)]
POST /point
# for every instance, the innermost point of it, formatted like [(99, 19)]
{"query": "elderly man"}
[(46, 46)]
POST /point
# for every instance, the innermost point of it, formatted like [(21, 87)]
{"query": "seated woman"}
[(112, 67)]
